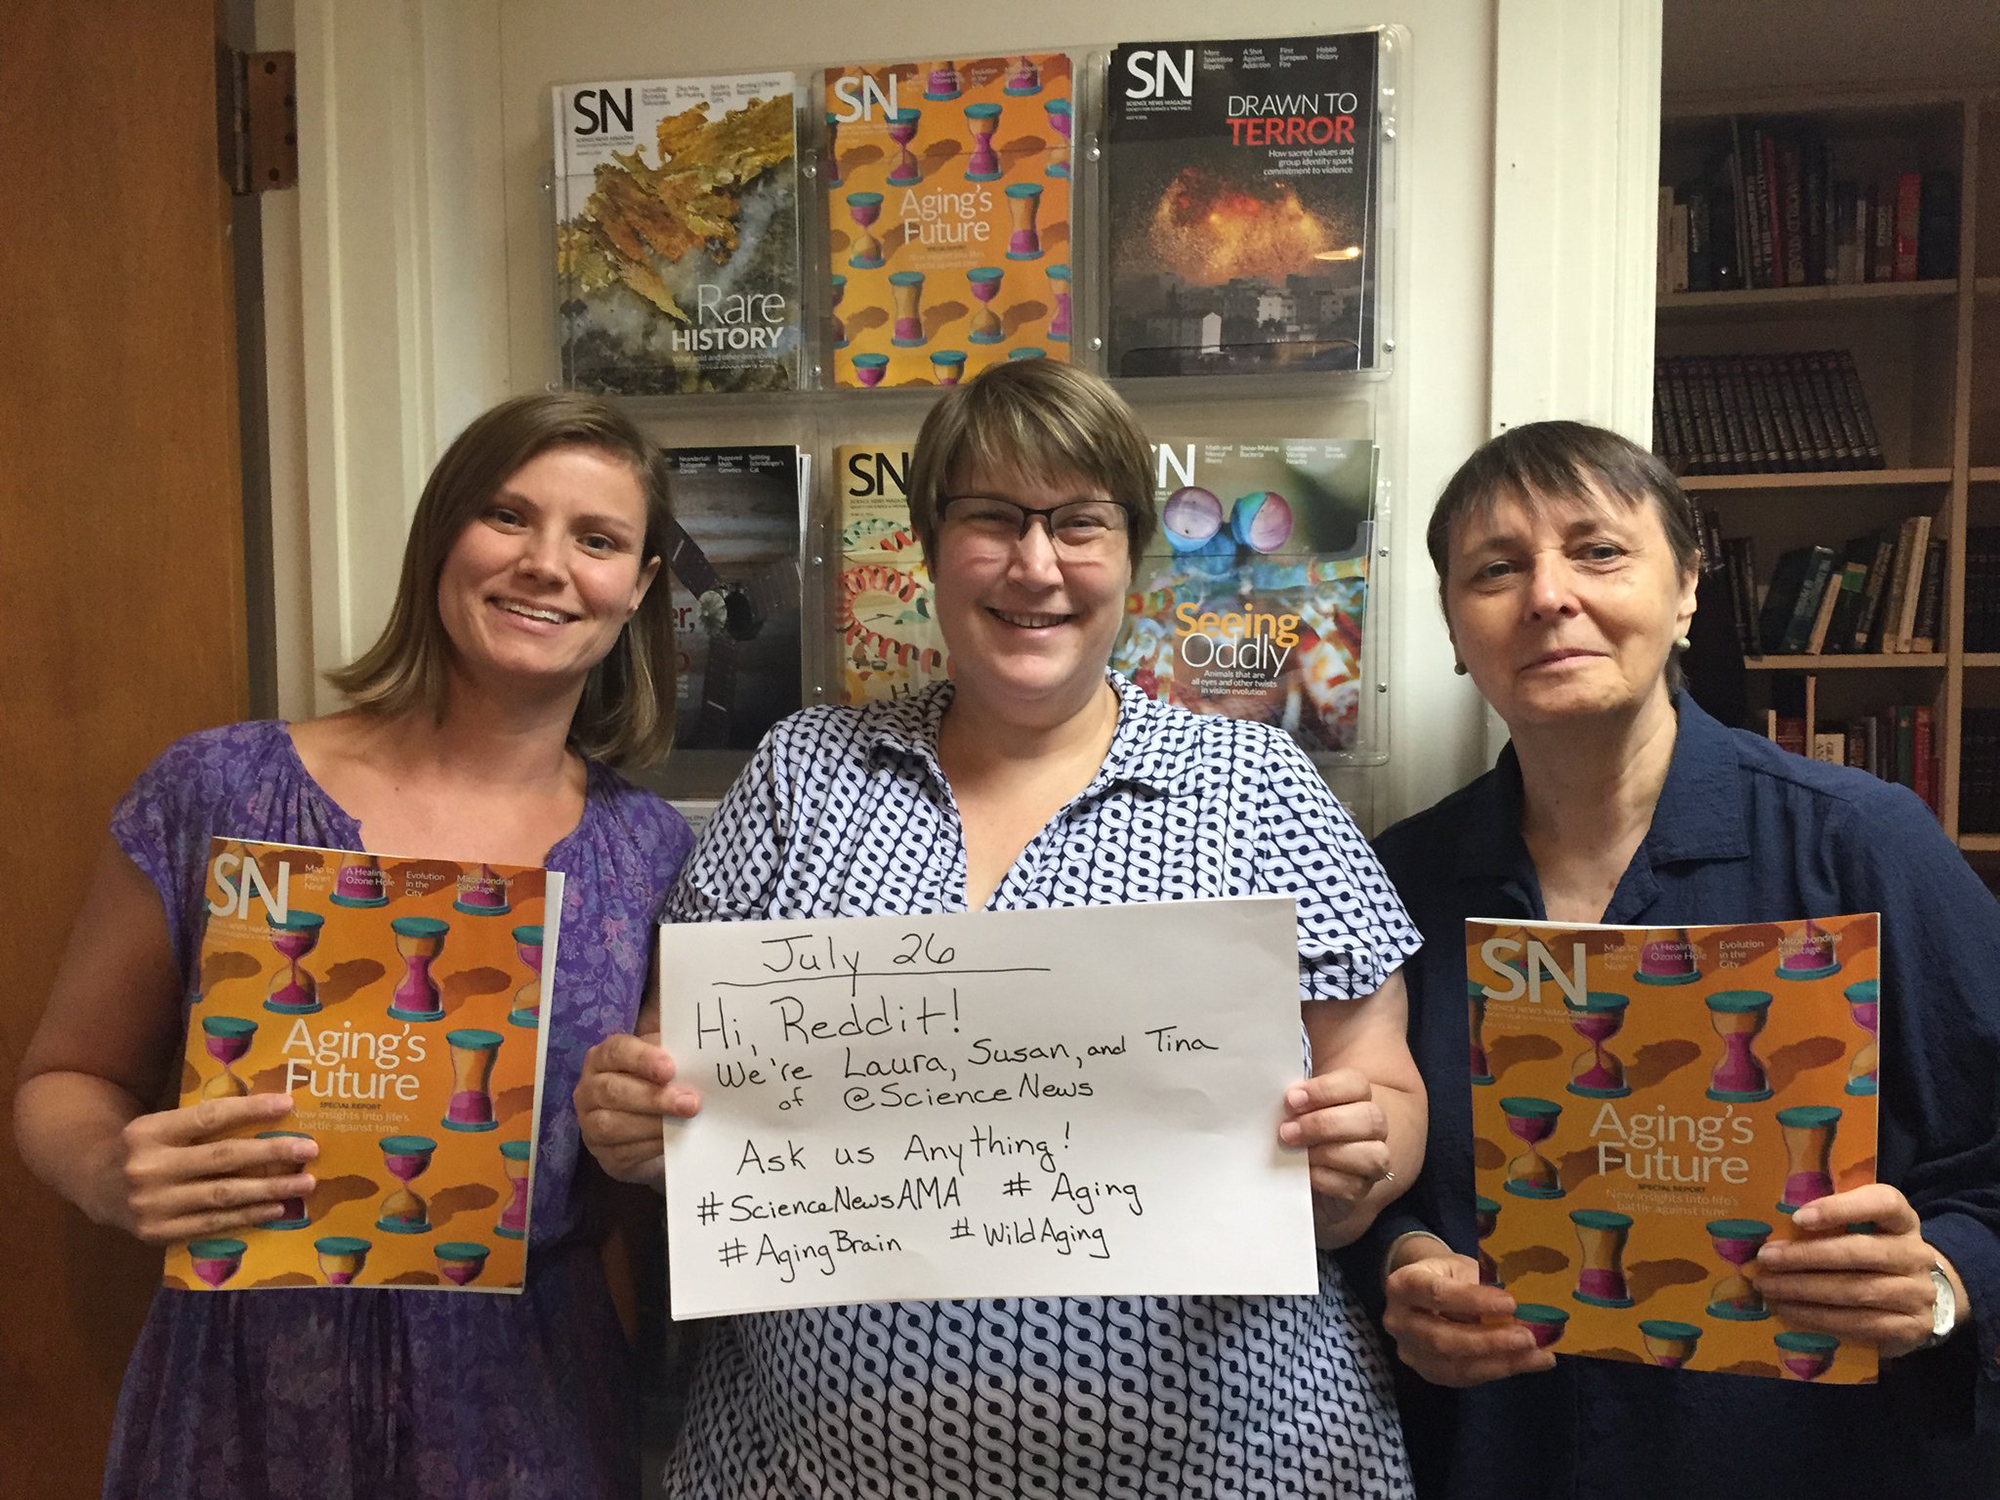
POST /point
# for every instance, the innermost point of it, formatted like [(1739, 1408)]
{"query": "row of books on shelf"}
[(1763, 413), (1882, 593), (1770, 212), (1897, 744), (941, 231)]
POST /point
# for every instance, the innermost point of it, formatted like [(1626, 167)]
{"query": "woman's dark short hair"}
[(626, 715), (1539, 462), (1045, 421)]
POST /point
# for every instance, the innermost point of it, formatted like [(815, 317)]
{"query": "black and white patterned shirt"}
[(845, 812)]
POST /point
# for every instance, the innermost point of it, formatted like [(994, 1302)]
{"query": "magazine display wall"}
[(779, 271)]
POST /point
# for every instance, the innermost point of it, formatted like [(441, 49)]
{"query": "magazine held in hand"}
[(400, 1003), (1649, 1107)]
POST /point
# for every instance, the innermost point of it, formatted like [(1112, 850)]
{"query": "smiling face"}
[(1030, 630), (541, 580), (1566, 607)]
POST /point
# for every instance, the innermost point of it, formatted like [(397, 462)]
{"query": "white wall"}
[(425, 245)]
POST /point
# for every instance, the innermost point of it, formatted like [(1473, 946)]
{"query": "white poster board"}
[(998, 1104)]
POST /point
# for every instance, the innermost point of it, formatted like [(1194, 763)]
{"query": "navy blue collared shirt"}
[(1744, 832)]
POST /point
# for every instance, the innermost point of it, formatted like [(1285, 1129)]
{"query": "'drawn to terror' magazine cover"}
[(1242, 192), (677, 234), (949, 212), (1650, 1106), (885, 627), (1252, 597), (400, 1002), (735, 581)]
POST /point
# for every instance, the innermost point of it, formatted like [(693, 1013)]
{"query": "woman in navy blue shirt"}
[(1567, 560)]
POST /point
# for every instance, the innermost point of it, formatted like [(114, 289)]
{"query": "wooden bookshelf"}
[(1928, 353)]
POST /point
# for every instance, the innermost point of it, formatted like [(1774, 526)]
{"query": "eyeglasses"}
[(1080, 529)]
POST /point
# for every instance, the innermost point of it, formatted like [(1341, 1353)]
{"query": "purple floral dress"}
[(366, 1395)]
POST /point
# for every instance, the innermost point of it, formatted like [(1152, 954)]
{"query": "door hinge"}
[(260, 115)]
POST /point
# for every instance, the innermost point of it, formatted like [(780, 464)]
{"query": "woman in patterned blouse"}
[(1036, 778)]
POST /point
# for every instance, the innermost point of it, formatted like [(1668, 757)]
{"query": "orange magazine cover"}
[(399, 1002), (948, 211), (1649, 1106)]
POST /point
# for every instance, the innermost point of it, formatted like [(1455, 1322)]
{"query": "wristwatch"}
[(1944, 1307)]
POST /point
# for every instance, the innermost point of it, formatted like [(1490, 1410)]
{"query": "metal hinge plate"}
[(260, 121)]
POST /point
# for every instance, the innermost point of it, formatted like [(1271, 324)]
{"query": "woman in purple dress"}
[(530, 644)]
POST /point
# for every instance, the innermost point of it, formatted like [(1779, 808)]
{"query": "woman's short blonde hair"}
[(626, 715), (1044, 421)]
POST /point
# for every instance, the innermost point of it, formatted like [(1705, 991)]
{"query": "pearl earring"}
[(1683, 642)]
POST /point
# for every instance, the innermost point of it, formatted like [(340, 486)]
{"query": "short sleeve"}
[(735, 864), (163, 825), (1941, 1048), (1353, 931)]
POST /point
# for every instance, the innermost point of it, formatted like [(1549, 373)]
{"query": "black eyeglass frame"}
[(1029, 512)]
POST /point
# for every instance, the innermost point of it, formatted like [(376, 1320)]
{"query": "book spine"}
[(1852, 578), (1829, 746), (1913, 579), (1857, 745), (1873, 592), (1857, 404), (1909, 206), (1848, 263), (1714, 451), (1892, 606), (1905, 739), (1700, 245), (1773, 207), (1758, 453), (1819, 571), (1793, 454), (1882, 243), (1930, 599), (1829, 600), (1798, 394), (1682, 409), (1792, 189), (1739, 201), (1742, 558), (1923, 766)]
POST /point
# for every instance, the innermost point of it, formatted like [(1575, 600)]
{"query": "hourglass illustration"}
[(1532, 1121), (839, 328), (1601, 1236), (1863, 1000), (907, 290), (1805, 1356), (404, 1211), (832, 149), (944, 84), (473, 1053), (1475, 1006), (1669, 1345), (870, 368), (984, 282), (984, 163), (903, 130), (513, 1223), (459, 1261), (1027, 353), (294, 992), (947, 365), (1597, 1074), (360, 882), (226, 1038), (482, 893), (1812, 958), (527, 1009), (215, 1261), (1024, 203), (1059, 288), (1667, 957), (292, 1214), (419, 940), (341, 1257), (1025, 79), (1059, 122), (1735, 1297), (865, 254), (1544, 1322), (1486, 1219), (1808, 1130), (1737, 1016)]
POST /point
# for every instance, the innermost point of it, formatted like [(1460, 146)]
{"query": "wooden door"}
[(121, 584)]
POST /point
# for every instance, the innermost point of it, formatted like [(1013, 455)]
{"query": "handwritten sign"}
[(1001, 1104)]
